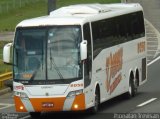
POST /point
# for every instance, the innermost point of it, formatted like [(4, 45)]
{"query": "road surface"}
[(6, 36)]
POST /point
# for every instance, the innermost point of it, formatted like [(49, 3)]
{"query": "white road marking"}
[(5, 105), (153, 61), (147, 102)]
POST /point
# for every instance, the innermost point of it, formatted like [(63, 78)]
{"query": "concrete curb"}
[(4, 91)]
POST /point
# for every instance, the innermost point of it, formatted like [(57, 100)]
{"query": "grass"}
[(69, 2), (8, 21)]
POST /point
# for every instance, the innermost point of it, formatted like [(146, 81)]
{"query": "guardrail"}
[(4, 77)]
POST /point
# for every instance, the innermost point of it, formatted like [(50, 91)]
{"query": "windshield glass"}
[(48, 53), (29, 54), (63, 53)]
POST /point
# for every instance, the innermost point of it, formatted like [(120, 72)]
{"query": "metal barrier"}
[(5, 77)]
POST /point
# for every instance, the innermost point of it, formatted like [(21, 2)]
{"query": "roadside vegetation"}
[(10, 18)]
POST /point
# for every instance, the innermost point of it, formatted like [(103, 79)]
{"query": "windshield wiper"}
[(55, 66)]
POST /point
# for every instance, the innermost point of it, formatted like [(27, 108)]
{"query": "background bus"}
[(78, 57)]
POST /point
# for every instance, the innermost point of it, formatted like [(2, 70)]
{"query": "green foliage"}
[(10, 19), (72, 2)]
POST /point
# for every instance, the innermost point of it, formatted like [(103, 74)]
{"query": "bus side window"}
[(88, 62)]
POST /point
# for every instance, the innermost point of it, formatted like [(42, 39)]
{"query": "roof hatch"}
[(80, 9)]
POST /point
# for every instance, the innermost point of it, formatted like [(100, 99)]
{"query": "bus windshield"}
[(47, 53)]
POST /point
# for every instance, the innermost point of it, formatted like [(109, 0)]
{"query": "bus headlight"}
[(20, 94), (74, 93), (23, 95)]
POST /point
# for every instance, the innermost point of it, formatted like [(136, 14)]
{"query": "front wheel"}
[(94, 109)]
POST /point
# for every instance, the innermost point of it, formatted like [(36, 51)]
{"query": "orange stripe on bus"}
[(37, 104), (19, 105), (79, 102)]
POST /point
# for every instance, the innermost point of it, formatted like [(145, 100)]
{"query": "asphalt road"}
[(6, 36), (150, 91)]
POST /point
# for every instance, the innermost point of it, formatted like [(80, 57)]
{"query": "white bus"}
[(78, 57)]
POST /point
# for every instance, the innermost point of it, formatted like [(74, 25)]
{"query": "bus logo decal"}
[(141, 47), (113, 70)]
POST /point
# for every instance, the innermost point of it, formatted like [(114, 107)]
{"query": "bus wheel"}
[(94, 109), (136, 86), (35, 115), (132, 88)]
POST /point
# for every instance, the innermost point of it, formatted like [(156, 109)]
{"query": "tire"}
[(133, 85), (35, 115), (95, 108)]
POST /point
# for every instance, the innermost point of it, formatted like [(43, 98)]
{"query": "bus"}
[(78, 57)]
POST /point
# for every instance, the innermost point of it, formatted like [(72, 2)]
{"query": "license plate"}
[(47, 104)]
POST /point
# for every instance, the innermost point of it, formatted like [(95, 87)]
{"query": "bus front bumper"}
[(74, 103)]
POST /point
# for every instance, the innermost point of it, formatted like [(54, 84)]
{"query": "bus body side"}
[(119, 56)]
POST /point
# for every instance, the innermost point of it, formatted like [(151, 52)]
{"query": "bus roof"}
[(79, 14)]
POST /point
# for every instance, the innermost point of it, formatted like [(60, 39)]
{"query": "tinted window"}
[(113, 31)]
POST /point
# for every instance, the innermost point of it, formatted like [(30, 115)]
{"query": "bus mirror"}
[(83, 50), (7, 53)]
